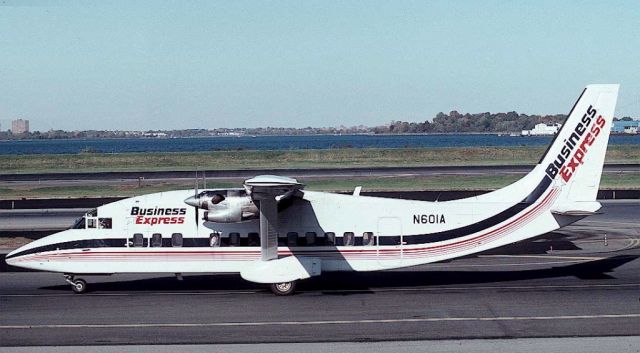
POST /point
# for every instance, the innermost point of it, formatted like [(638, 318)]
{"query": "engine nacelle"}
[(236, 206)]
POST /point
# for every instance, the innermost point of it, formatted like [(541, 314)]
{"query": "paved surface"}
[(39, 219), (583, 287), (108, 178), (524, 345)]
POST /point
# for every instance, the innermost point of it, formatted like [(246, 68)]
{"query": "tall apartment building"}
[(19, 126)]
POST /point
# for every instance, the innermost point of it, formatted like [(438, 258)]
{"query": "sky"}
[(176, 65)]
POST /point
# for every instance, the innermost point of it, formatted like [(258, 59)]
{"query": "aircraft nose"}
[(192, 201), (10, 257)]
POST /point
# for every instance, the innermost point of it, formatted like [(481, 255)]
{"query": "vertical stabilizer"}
[(575, 158)]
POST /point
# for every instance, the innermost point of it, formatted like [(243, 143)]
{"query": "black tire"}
[(79, 286), (285, 288)]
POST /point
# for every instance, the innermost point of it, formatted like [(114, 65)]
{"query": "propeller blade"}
[(196, 197)]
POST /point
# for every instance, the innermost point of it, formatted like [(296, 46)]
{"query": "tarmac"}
[(566, 291)]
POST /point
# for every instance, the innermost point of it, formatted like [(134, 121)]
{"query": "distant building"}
[(542, 129), (154, 134), (19, 126), (625, 127)]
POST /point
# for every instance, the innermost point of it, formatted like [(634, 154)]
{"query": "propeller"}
[(195, 196)]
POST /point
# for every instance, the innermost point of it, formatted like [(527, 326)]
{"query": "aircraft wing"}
[(266, 191)]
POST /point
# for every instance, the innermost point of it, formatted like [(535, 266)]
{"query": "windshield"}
[(79, 223)]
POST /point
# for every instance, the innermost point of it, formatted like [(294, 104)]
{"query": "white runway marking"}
[(400, 289), (327, 322)]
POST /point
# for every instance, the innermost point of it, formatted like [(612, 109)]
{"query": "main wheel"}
[(79, 286), (284, 288)]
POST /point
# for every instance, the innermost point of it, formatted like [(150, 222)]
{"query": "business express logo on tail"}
[(574, 143)]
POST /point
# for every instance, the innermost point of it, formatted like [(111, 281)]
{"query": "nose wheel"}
[(284, 288), (78, 285)]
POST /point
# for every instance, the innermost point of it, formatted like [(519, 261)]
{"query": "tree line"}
[(454, 122)]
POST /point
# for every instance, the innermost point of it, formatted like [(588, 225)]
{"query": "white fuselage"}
[(386, 233)]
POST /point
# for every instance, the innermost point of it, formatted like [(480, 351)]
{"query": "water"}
[(205, 144)]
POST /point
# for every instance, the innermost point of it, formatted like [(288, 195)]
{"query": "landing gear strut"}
[(284, 288), (78, 285)]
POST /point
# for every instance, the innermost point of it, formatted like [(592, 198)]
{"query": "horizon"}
[(174, 66), (616, 118)]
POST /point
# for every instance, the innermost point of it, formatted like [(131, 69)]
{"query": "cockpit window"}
[(92, 223), (92, 213), (105, 223), (79, 223)]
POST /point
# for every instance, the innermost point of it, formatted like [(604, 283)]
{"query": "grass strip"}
[(332, 158)]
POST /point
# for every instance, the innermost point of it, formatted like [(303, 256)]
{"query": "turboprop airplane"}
[(273, 231)]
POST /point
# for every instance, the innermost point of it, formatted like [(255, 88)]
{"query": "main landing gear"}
[(284, 288), (78, 285)]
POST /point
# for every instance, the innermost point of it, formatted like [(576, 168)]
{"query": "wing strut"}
[(267, 190), (268, 227)]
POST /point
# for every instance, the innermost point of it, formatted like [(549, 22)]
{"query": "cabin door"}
[(389, 240)]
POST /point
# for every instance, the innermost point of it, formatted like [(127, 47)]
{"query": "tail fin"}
[(575, 158)]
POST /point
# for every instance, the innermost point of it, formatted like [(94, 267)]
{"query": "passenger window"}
[(368, 239), (234, 239), (176, 240), (254, 239), (330, 238), (310, 238), (292, 238), (348, 239), (138, 240), (104, 223), (156, 240), (214, 239)]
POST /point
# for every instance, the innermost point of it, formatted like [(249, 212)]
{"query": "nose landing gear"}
[(78, 285)]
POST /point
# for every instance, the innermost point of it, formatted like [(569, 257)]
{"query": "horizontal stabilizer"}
[(577, 209)]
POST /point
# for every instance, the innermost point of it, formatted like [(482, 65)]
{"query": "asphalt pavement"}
[(108, 178), (570, 283)]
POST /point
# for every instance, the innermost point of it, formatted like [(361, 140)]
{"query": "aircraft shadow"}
[(539, 245), (343, 283)]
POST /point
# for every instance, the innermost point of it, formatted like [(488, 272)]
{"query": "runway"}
[(570, 283), (31, 220), (111, 178)]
